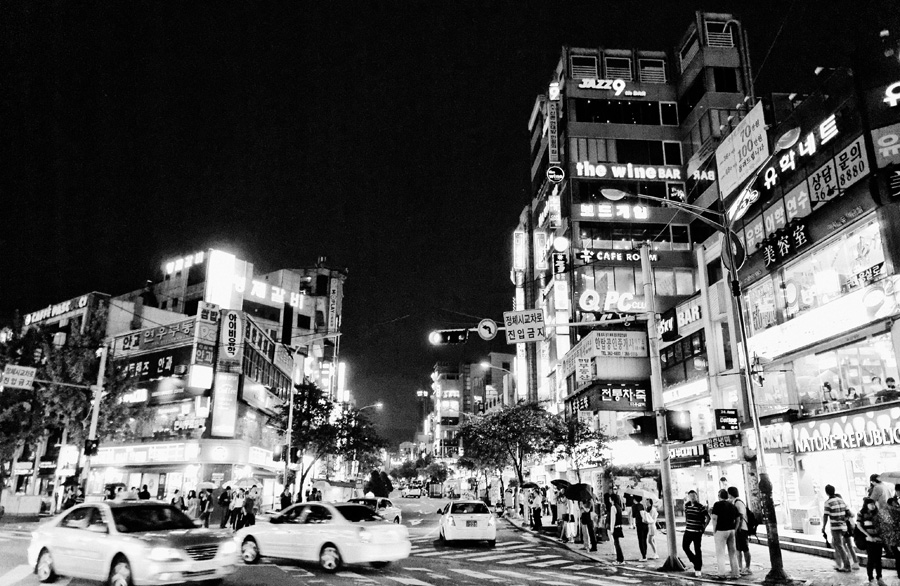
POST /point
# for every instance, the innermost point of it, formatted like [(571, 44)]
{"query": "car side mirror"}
[(440, 512)]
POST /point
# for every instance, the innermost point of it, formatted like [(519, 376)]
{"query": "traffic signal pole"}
[(672, 564), (95, 414)]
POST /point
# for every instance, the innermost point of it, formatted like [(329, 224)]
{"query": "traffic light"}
[(644, 429), (441, 337), (91, 446), (678, 426)]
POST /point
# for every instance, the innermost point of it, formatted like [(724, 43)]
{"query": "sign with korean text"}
[(723, 441), (560, 263), (524, 326), (553, 132), (231, 341), (224, 405), (687, 456), (865, 278), (743, 151), (154, 365), (727, 419), (620, 344), (887, 145), (796, 156), (333, 301), (18, 377), (785, 243), (177, 334), (614, 396), (610, 211), (206, 333), (852, 163), (583, 370)]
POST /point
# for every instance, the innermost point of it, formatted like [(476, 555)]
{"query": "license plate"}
[(471, 523)]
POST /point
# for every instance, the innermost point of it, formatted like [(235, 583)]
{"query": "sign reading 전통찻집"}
[(524, 326)]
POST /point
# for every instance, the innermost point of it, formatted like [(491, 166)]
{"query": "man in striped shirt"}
[(836, 513), (696, 518)]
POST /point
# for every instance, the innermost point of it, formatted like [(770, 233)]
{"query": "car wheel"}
[(44, 568), (329, 558), (120, 572), (441, 537), (250, 551), (492, 543), (379, 564)]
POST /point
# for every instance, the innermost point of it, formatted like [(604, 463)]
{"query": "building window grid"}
[(718, 34), (652, 70), (584, 66), (618, 68)]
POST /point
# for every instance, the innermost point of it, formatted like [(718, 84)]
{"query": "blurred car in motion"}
[(382, 506), (411, 491), (330, 534), (125, 543), (467, 520)]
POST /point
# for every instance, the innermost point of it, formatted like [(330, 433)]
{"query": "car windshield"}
[(469, 509), (367, 502), (141, 518), (358, 513)]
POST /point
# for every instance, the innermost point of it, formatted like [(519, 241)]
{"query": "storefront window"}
[(847, 377), (760, 306), (772, 396)]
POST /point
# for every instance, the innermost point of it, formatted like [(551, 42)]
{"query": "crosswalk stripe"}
[(527, 559), (514, 545), (408, 581), (355, 577), (589, 579), (494, 556), (517, 575), (479, 575), (15, 574), (548, 564), (577, 567), (430, 553)]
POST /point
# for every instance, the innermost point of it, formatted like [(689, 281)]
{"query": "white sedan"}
[(326, 533), (127, 543), (382, 506), (467, 519)]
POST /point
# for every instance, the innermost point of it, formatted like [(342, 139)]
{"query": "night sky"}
[(389, 136)]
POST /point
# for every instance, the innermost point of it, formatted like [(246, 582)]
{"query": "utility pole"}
[(656, 386), (103, 351)]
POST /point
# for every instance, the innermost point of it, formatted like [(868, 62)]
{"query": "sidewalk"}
[(809, 570)]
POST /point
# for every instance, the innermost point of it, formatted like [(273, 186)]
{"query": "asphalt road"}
[(519, 558)]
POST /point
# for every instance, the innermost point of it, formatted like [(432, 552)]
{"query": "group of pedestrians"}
[(874, 529), (239, 507), (730, 521)]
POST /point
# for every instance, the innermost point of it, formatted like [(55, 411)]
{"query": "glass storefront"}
[(847, 263)]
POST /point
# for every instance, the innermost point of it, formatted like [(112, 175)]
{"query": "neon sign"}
[(184, 262), (892, 94), (627, 171), (262, 290), (613, 301), (617, 86)]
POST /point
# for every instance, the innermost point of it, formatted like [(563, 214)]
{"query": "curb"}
[(628, 566)]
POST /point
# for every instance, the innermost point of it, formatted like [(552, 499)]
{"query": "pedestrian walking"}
[(650, 517), (696, 518), (615, 521), (586, 507), (285, 498), (869, 522), (890, 531), (535, 501), (848, 538), (237, 509), (205, 506), (552, 500), (250, 503), (741, 532), (225, 504), (193, 505), (637, 513), (836, 513), (724, 519), (545, 502)]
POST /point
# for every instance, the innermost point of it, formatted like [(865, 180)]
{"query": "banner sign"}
[(231, 341), (613, 396), (224, 404), (524, 326), (743, 151), (155, 338)]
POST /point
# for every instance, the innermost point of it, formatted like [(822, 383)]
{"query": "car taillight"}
[(451, 520)]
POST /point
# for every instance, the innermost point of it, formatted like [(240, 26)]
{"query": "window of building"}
[(617, 112), (669, 113), (261, 311), (174, 303), (595, 150), (718, 34), (624, 279), (190, 306), (304, 321), (692, 96), (685, 360), (618, 68), (164, 305), (665, 282), (322, 285), (725, 79), (196, 274), (584, 66), (714, 272), (672, 153), (689, 50), (640, 152), (652, 70)]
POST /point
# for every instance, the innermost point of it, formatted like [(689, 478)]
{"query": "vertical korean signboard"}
[(553, 126), (333, 293), (224, 408), (231, 342), (743, 151)]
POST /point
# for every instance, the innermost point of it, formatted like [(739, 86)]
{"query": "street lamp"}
[(723, 226), (377, 405), (487, 365)]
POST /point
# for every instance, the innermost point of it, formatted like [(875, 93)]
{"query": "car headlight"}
[(229, 547), (164, 554)]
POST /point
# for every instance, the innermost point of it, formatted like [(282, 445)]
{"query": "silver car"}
[(130, 543)]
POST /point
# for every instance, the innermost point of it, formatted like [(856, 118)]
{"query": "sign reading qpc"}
[(555, 174), (727, 419)]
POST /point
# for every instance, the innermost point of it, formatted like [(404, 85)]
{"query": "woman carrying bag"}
[(615, 522), (867, 532), (562, 504), (650, 516)]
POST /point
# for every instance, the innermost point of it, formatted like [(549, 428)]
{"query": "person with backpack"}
[(724, 520), (836, 513), (869, 523), (741, 532)]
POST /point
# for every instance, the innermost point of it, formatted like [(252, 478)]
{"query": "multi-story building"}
[(213, 350)]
